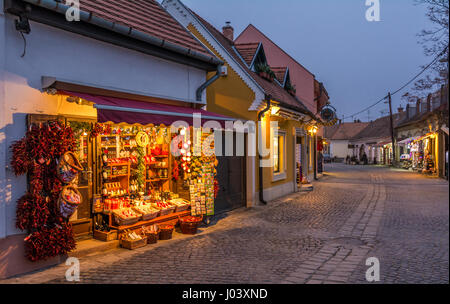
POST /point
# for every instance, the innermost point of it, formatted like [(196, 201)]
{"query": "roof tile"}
[(277, 93), (146, 16)]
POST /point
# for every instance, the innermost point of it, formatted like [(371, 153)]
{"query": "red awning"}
[(118, 110)]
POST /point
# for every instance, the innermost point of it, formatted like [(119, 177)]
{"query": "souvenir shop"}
[(129, 175), (423, 153)]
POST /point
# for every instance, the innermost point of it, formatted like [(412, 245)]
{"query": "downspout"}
[(210, 81), (261, 183), (315, 157)]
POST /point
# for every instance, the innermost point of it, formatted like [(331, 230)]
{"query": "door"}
[(298, 160), (231, 178), (84, 149)]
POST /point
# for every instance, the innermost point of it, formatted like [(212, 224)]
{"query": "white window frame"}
[(277, 176)]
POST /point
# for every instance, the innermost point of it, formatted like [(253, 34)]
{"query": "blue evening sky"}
[(358, 61)]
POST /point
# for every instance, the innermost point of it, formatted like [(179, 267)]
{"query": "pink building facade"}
[(301, 78)]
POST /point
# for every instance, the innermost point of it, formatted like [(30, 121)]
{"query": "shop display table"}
[(171, 219)]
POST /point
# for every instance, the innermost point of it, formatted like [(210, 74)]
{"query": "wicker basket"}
[(133, 244), (150, 216), (165, 232), (68, 160), (125, 222), (67, 207), (105, 236), (152, 238), (189, 227), (182, 208), (167, 211)]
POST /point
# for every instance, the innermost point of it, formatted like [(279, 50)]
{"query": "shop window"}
[(279, 156)]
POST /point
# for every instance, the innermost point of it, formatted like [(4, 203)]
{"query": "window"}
[(279, 156), (276, 153)]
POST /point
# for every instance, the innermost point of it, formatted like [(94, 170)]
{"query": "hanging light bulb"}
[(182, 131)]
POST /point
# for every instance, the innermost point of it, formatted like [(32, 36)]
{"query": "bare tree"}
[(434, 41)]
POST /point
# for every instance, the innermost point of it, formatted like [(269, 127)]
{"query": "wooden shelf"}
[(120, 175), (118, 164)]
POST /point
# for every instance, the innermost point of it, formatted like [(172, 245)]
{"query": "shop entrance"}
[(85, 151), (231, 177)]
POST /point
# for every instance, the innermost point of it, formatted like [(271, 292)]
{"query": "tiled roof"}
[(247, 51), (344, 130), (280, 73), (278, 93), (381, 127), (146, 16)]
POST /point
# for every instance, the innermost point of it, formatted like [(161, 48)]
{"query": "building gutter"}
[(16, 7), (209, 82), (260, 171)]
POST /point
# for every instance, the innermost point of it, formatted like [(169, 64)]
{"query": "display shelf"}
[(170, 218), (118, 164)]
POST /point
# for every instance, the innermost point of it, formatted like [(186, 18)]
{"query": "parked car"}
[(327, 158), (404, 157)]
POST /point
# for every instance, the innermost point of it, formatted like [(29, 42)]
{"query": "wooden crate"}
[(105, 236), (133, 244)]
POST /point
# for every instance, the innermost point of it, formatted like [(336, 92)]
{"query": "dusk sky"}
[(358, 61)]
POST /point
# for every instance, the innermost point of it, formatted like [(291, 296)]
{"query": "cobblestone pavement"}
[(324, 236)]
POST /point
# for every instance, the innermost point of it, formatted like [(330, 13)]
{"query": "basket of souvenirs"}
[(152, 233), (165, 208), (147, 212), (189, 224), (68, 201), (126, 216), (166, 232), (68, 167), (180, 204), (132, 240)]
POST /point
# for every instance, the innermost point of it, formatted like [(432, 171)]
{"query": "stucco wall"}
[(339, 148), (53, 52)]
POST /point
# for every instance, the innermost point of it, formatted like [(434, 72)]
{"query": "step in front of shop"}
[(92, 246)]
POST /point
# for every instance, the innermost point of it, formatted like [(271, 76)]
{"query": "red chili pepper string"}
[(37, 212)]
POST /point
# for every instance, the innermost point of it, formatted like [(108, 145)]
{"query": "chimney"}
[(400, 109), (228, 31), (418, 107), (429, 103)]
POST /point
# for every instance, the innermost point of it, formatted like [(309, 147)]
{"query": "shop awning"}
[(119, 110), (408, 140)]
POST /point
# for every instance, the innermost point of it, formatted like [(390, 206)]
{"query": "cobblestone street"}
[(324, 236)]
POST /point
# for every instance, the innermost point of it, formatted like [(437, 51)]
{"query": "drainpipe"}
[(261, 183), (315, 157), (210, 81)]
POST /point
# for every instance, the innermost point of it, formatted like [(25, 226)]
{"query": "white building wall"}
[(339, 148), (61, 54)]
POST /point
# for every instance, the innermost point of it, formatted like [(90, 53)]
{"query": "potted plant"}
[(291, 89), (264, 71)]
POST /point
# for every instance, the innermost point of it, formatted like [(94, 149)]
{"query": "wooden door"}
[(82, 218)]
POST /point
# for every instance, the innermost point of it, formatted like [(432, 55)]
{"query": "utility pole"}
[(392, 128)]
